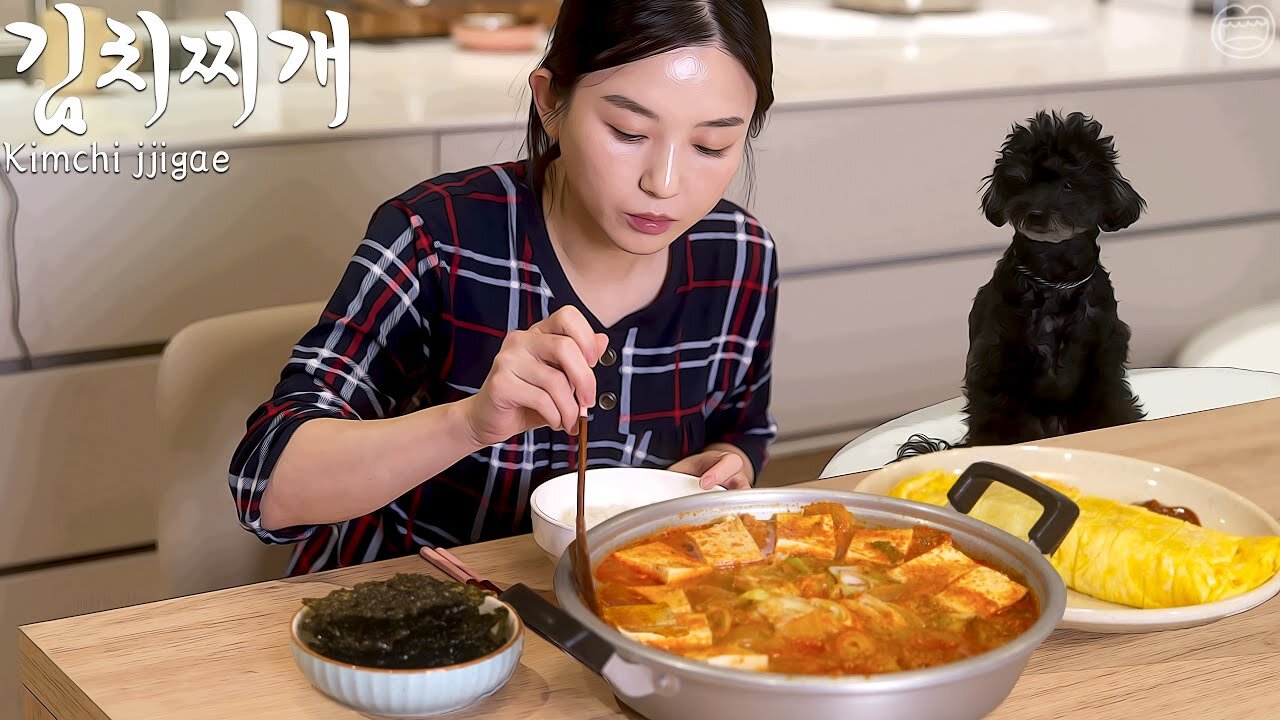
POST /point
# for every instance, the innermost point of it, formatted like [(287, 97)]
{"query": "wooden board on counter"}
[(387, 19)]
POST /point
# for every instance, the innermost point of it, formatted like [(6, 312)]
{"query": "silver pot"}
[(662, 685)]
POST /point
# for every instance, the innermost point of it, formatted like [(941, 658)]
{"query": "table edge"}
[(50, 685)]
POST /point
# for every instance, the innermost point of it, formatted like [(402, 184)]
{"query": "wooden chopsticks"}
[(450, 565), (581, 556)]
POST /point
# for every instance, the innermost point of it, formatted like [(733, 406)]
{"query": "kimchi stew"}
[(813, 592)]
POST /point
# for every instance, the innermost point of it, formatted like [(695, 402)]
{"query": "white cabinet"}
[(110, 261), (1198, 151), (79, 472), (1170, 285), (463, 150), (856, 347), (8, 343), (843, 186)]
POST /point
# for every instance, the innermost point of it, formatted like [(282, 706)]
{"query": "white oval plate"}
[(1126, 480)]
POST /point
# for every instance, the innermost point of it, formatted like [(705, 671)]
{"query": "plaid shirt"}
[(445, 271)]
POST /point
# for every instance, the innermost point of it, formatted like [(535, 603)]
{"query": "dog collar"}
[(1037, 280)]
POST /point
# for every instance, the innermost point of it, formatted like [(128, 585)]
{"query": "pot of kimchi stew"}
[(801, 604)]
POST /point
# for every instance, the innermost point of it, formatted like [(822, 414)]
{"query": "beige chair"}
[(212, 375), (1248, 339)]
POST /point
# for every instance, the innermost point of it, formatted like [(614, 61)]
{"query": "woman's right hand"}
[(541, 376)]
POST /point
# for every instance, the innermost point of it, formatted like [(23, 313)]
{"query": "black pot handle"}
[(559, 627), (632, 680), (1048, 532)]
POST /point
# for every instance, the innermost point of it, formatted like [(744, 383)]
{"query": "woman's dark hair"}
[(592, 35)]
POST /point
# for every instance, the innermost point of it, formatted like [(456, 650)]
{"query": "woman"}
[(486, 308)]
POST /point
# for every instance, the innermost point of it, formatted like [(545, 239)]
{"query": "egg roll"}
[(1120, 553)]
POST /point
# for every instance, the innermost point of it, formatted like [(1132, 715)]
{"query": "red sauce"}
[(1173, 511)]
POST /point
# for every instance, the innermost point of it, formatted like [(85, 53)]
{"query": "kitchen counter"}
[(424, 86), (226, 654)]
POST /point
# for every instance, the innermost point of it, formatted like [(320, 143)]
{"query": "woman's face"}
[(649, 148)]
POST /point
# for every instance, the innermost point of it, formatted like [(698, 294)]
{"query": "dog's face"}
[(1057, 177)]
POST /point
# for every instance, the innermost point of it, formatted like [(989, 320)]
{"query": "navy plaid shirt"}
[(445, 271)]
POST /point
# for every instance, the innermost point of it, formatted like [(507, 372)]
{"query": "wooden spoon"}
[(581, 557)]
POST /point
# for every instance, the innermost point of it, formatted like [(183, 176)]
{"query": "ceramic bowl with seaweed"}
[(410, 647)]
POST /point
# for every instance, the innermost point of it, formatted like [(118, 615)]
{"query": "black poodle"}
[(1047, 350)]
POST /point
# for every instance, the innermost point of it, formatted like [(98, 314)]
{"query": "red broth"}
[(790, 613)]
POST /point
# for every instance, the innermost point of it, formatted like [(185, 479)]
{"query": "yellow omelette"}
[(1122, 553)]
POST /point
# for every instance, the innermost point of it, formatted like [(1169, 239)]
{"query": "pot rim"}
[(651, 517)]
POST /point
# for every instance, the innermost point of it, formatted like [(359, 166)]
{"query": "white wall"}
[(277, 228)]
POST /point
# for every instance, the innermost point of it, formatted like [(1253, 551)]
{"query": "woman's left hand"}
[(720, 464)]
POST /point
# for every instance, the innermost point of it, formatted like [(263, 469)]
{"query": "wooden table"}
[(225, 654)]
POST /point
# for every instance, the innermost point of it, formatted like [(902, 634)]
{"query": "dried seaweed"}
[(409, 621)]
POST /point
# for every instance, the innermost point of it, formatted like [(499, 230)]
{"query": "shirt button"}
[(608, 401), (609, 357)]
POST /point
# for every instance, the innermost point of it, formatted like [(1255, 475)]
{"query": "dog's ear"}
[(993, 200), (1004, 180), (1089, 128), (1122, 206), (1008, 172)]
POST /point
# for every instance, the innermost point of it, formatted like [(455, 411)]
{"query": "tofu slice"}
[(661, 561), (673, 598), (727, 543), (883, 547), (799, 534), (737, 660), (634, 617), (696, 634), (981, 591), (934, 570)]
